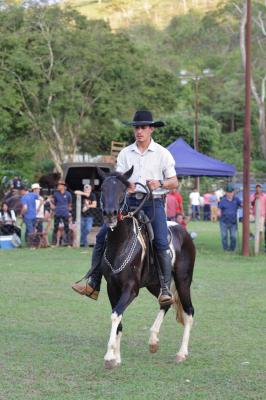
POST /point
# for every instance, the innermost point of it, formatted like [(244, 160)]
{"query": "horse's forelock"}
[(118, 176)]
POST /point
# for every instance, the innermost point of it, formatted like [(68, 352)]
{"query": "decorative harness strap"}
[(137, 237)]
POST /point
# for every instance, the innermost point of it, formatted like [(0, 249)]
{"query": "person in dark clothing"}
[(28, 212), (88, 203), (227, 211), (16, 182), (62, 204)]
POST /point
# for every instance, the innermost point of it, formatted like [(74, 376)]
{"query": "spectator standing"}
[(265, 233), (227, 210), (206, 207), (28, 211), (39, 203), (62, 204), (259, 195), (194, 199), (16, 183), (88, 203), (214, 206), (179, 199), (171, 206), (48, 213)]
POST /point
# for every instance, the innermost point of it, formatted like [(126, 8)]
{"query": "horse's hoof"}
[(110, 364), (153, 347), (180, 358)]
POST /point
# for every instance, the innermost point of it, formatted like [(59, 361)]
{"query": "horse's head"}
[(113, 195)]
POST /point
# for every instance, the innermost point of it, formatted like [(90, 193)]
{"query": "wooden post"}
[(257, 227), (78, 217), (246, 136)]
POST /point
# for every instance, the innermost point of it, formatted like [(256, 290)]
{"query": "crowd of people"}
[(54, 213), (217, 206), (44, 214), (38, 212)]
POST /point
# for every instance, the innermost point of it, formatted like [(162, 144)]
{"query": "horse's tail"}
[(177, 305)]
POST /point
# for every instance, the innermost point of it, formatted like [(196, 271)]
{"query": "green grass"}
[(52, 341)]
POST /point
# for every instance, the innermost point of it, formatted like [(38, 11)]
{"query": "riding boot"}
[(91, 287), (165, 264)]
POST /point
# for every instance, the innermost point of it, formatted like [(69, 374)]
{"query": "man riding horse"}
[(154, 166)]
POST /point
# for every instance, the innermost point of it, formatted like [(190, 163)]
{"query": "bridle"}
[(123, 205)]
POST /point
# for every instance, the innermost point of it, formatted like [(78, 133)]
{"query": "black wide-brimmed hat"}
[(144, 117)]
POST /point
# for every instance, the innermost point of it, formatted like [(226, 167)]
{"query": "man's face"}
[(258, 189), (230, 195), (61, 188), (143, 133)]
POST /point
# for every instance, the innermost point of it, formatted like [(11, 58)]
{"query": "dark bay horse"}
[(127, 268)]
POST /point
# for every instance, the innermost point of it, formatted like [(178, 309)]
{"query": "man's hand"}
[(153, 184)]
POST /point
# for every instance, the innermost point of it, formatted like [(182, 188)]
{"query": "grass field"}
[(52, 341)]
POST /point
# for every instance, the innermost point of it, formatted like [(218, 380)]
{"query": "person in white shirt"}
[(154, 166), (194, 200), (36, 188)]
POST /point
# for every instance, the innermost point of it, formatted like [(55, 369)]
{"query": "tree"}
[(234, 21), (73, 77), (258, 84)]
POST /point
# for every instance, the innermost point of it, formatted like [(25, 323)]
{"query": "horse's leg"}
[(182, 353), (183, 277), (155, 329), (112, 357), (117, 345)]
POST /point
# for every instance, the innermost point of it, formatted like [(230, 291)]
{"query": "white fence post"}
[(78, 217)]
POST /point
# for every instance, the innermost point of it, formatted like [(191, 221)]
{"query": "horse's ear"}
[(128, 174), (101, 173)]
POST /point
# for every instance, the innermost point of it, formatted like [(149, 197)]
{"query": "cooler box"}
[(6, 242)]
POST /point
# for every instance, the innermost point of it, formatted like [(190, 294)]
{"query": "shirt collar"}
[(150, 148)]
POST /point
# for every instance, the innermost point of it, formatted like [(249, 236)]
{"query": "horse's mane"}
[(119, 176)]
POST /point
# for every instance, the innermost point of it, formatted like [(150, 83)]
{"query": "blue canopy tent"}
[(189, 162)]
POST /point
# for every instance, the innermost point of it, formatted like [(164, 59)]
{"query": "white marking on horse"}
[(155, 329), (112, 358), (117, 348), (183, 351)]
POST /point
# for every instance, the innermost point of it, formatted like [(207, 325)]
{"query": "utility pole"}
[(196, 131), (185, 76), (246, 141)]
